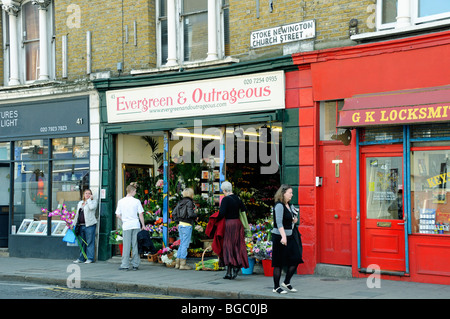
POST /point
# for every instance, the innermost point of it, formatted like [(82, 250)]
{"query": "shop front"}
[(44, 163), (392, 102), (195, 134)]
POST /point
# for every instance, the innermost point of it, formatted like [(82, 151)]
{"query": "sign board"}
[(283, 34), (245, 93), (44, 118)]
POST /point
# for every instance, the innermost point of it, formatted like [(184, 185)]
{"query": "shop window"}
[(430, 191), (381, 134), (31, 194), (70, 178), (31, 150), (70, 147), (47, 181), (5, 151), (329, 117)]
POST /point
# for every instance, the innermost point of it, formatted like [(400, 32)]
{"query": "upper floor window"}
[(193, 31), (28, 42), (415, 11)]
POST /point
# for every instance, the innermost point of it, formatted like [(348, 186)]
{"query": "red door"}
[(334, 199), (382, 225)]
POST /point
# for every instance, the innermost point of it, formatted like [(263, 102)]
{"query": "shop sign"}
[(44, 118), (246, 93), (283, 34), (395, 115)]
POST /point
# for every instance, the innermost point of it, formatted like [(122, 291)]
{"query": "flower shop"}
[(204, 178), (166, 152)]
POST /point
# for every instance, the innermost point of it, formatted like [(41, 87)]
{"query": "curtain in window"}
[(31, 40)]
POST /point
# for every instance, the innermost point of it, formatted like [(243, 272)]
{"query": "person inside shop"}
[(286, 251), (130, 212), (234, 250), (86, 225), (185, 214)]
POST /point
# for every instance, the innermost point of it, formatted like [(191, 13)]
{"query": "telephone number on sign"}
[(56, 128)]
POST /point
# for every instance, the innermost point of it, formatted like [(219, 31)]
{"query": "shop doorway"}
[(382, 225), (334, 199), (4, 204)]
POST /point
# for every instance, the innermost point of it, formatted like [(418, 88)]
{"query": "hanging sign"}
[(245, 93)]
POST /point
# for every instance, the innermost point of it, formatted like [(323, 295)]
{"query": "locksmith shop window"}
[(420, 11), (191, 39), (24, 62), (329, 118)]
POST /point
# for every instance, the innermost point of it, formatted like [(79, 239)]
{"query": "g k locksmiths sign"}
[(395, 115)]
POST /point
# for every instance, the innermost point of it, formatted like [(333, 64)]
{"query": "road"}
[(23, 290)]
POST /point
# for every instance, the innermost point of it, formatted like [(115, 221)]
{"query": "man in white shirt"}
[(128, 210)]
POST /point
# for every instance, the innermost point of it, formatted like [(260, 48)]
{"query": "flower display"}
[(263, 250), (116, 237)]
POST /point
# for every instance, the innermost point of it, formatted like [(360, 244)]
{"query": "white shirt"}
[(128, 209)]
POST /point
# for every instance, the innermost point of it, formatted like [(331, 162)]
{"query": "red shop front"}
[(381, 183)]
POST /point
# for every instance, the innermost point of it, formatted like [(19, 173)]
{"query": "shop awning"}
[(397, 108)]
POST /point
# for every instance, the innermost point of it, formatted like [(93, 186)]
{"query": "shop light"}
[(203, 136)]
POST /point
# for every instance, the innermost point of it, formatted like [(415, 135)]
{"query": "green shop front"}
[(195, 129)]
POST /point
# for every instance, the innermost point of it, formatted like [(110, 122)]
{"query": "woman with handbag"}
[(86, 224), (286, 251), (234, 250), (184, 214)]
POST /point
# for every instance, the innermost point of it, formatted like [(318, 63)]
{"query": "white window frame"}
[(415, 19), (51, 47), (220, 45)]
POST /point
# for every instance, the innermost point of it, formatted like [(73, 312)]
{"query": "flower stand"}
[(267, 266), (249, 270)]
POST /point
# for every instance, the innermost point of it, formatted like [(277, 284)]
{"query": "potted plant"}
[(262, 250)]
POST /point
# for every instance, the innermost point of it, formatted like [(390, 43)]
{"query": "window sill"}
[(186, 66), (364, 37)]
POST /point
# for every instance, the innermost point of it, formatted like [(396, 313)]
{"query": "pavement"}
[(159, 279)]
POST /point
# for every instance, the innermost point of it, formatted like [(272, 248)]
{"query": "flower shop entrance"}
[(248, 155)]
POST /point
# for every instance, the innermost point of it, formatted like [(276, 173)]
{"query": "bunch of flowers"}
[(249, 245), (64, 214), (169, 259), (263, 250), (116, 237), (67, 217), (159, 184)]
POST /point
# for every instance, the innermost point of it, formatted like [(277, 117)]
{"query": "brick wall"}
[(107, 21)]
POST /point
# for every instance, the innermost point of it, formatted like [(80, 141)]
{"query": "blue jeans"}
[(88, 235), (185, 239)]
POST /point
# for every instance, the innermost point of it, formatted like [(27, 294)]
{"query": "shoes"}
[(288, 287), (77, 261), (279, 291), (135, 268), (177, 263), (183, 265), (227, 276), (234, 272), (125, 269), (88, 261)]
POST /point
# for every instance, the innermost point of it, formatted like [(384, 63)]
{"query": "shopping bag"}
[(244, 221), (70, 237)]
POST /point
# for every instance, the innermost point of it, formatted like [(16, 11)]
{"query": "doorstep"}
[(328, 270)]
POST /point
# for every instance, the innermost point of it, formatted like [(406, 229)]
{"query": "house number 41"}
[(80, 121)]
